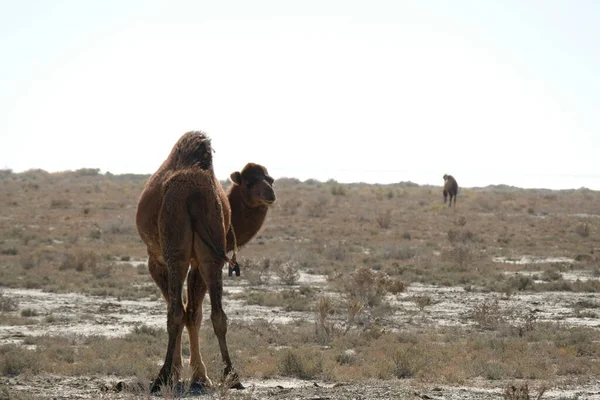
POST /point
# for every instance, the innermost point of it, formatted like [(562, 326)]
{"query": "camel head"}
[(255, 185), (445, 177)]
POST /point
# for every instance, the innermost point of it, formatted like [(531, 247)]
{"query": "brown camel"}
[(188, 223), (450, 188)]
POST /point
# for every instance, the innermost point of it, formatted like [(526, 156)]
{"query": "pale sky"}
[(372, 91)]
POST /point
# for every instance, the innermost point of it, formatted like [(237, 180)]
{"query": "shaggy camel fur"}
[(185, 219), (450, 188)]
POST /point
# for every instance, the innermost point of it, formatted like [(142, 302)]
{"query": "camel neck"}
[(246, 220)]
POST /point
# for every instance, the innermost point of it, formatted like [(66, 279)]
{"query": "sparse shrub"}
[(147, 331), (318, 208), (521, 392), (422, 301), (346, 357), (406, 236), (339, 190), (367, 285), (290, 206), (519, 282), (461, 254), (95, 233), (551, 275), (60, 203), (583, 229), (395, 286), (460, 236), (256, 272), (10, 251), (87, 172), (142, 269), (384, 219), (7, 303), (288, 272), (29, 261), (29, 312), (399, 253), (337, 252), (324, 329), (16, 360), (487, 314), (406, 362), (301, 363), (461, 221), (79, 261)]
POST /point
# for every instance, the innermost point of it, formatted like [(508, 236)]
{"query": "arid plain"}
[(349, 291)]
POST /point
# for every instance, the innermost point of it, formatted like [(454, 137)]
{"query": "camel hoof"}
[(156, 386), (197, 388), (238, 386)]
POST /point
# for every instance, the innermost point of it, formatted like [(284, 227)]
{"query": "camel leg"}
[(175, 314), (159, 273), (219, 319), (196, 292)]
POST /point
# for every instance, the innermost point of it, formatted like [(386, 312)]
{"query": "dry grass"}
[(74, 232)]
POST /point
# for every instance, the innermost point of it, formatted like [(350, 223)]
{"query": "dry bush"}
[(583, 229), (318, 208), (290, 206), (15, 360), (460, 236), (367, 285), (301, 363), (461, 254), (407, 361), (79, 261), (60, 203), (324, 329), (384, 219), (288, 272), (461, 221), (488, 315), (256, 272), (521, 392), (7, 304), (422, 301), (401, 252), (339, 190), (337, 252)]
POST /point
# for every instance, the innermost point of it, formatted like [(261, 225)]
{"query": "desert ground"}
[(349, 291)]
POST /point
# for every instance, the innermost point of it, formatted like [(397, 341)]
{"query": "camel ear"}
[(236, 178)]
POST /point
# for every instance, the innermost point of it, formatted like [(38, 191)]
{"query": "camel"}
[(189, 224), (450, 188)]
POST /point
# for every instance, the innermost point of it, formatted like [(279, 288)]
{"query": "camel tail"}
[(208, 223), (193, 150)]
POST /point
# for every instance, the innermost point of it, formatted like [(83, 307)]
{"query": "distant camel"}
[(450, 188), (185, 218)]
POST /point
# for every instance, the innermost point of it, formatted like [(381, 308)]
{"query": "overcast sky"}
[(374, 91)]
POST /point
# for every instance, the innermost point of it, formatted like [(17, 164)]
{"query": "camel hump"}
[(192, 150)]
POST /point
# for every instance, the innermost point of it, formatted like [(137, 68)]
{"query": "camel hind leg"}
[(196, 292), (176, 244), (211, 270), (158, 272)]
